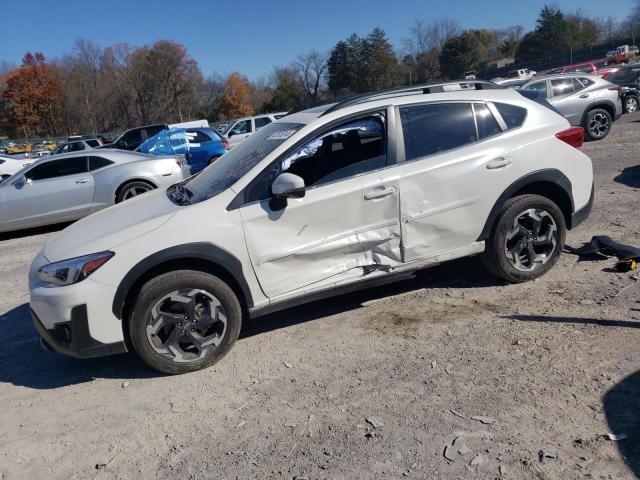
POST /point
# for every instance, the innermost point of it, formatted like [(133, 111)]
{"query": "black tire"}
[(124, 191), (495, 257), (213, 159), (597, 124), (156, 290), (631, 104)]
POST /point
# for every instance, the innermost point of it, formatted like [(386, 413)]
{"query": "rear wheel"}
[(527, 239), (597, 124), (213, 159), (184, 321), (631, 104), (132, 189)]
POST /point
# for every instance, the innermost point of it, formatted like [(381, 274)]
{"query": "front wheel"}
[(527, 239), (631, 104), (184, 321), (597, 124)]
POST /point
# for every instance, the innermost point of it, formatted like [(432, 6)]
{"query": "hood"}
[(111, 227)]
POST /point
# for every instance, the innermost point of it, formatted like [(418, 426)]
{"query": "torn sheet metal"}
[(330, 235)]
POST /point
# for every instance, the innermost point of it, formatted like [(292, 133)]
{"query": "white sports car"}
[(11, 165)]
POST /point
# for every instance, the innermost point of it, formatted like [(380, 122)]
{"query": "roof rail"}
[(417, 89)]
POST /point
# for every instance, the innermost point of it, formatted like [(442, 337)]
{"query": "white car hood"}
[(111, 227)]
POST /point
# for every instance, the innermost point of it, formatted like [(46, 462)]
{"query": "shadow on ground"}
[(34, 231), (23, 362), (622, 409), (629, 176), (584, 321), (465, 273)]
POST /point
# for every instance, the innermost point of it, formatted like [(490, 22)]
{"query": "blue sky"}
[(249, 36)]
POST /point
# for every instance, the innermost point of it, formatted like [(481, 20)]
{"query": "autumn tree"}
[(236, 97), (31, 96)]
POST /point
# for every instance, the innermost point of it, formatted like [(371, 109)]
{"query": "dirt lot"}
[(367, 385)]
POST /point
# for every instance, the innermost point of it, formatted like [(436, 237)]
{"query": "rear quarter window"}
[(513, 116)]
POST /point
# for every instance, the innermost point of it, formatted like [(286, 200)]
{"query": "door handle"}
[(584, 95), (499, 162), (379, 193), (83, 180)]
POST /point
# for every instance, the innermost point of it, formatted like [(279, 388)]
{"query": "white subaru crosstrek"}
[(321, 202)]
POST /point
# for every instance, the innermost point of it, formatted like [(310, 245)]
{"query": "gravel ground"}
[(369, 385)]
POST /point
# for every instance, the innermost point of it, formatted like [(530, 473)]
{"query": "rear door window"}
[(562, 86), (98, 162), (57, 168), (199, 137), (434, 128)]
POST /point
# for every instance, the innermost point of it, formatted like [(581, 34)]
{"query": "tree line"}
[(95, 89)]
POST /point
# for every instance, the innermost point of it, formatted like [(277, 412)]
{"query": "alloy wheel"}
[(599, 125), (134, 191), (532, 240), (185, 324), (631, 105)]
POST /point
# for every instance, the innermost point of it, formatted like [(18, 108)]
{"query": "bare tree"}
[(310, 71), (426, 36)]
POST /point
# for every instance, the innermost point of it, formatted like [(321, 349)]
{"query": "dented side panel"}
[(333, 232), (445, 198)]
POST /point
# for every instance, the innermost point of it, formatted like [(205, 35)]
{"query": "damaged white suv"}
[(320, 202)]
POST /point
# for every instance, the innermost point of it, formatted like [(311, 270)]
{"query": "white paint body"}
[(398, 218)]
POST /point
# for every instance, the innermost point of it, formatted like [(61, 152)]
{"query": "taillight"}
[(225, 144), (574, 136), (619, 89)]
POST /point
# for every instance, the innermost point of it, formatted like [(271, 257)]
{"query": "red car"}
[(590, 68)]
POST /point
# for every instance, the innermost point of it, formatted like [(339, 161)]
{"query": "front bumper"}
[(73, 337)]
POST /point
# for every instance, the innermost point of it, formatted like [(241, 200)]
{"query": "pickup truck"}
[(522, 74), (623, 54)]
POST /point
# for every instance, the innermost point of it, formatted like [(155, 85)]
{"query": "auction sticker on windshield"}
[(281, 135)]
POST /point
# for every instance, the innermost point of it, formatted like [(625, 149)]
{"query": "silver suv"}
[(585, 100)]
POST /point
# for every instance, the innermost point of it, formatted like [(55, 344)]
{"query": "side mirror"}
[(230, 134), (20, 181), (288, 185)]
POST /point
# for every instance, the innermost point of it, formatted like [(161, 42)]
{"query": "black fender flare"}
[(551, 175), (207, 252)]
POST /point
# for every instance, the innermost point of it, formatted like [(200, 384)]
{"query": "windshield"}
[(627, 75), (233, 165)]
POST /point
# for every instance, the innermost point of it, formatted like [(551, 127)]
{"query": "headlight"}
[(74, 270)]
